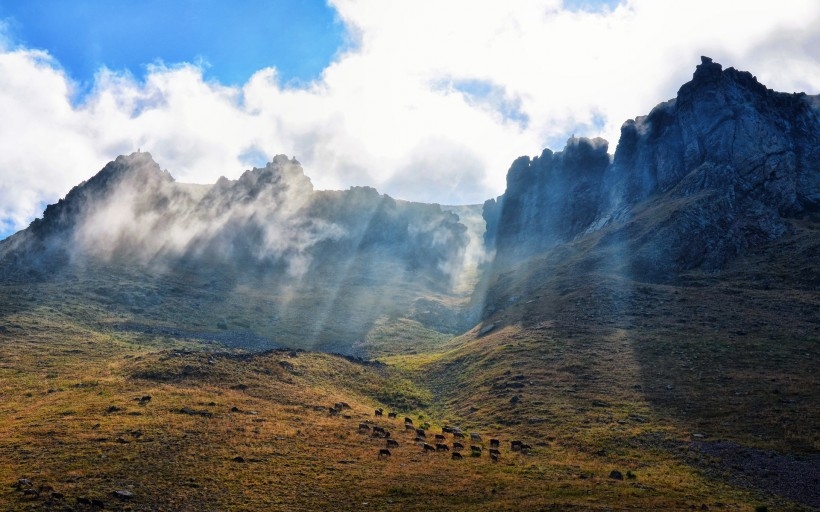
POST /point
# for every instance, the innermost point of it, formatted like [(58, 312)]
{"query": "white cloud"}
[(432, 102)]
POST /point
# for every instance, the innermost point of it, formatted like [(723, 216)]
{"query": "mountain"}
[(264, 260), (703, 178), (646, 323)]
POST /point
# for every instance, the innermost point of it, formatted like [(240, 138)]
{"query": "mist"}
[(265, 253)]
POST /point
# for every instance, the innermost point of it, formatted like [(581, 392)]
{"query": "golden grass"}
[(59, 381)]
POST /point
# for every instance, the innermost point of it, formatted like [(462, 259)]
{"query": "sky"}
[(424, 100)]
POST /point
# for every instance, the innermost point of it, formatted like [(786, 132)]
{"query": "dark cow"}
[(494, 443), (341, 405), (441, 447), (392, 443), (476, 450), (429, 447), (378, 412), (408, 426), (493, 451), (475, 437), (333, 412), (446, 430), (458, 446), (384, 452), (392, 415), (440, 437), (419, 440), (458, 434), (408, 421), (420, 432), (494, 457), (378, 431), (525, 448), (515, 446), (364, 426), (456, 456)]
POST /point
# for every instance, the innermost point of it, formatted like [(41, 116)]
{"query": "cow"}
[(378, 431), (441, 447), (384, 452), (515, 446), (364, 426), (446, 430), (494, 451), (494, 443), (476, 450), (378, 412), (392, 415), (458, 446), (341, 405), (408, 421), (458, 434), (392, 443), (429, 447), (419, 440), (440, 437), (333, 412), (456, 456), (408, 426), (525, 448), (494, 457), (475, 437), (420, 432)]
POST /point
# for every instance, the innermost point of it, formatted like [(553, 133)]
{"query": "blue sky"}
[(427, 100), (232, 39)]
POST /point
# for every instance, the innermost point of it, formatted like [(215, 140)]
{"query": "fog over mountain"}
[(330, 260), (266, 260)]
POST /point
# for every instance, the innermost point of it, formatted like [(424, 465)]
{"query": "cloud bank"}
[(430, 102)]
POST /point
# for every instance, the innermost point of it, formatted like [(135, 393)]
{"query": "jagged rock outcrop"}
[(549, 199), (701, 179)]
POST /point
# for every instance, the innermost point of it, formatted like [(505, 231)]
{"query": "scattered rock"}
[(486, 329), (123, 495)]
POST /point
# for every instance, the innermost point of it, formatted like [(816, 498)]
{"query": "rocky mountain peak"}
[(724, 164)]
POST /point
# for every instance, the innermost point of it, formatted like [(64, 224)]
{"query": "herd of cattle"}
[(438, 443)]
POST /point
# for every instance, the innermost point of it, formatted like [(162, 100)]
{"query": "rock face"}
[(549, 199), (700, 180)]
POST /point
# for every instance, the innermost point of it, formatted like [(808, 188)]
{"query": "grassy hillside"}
[(227, 430)]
